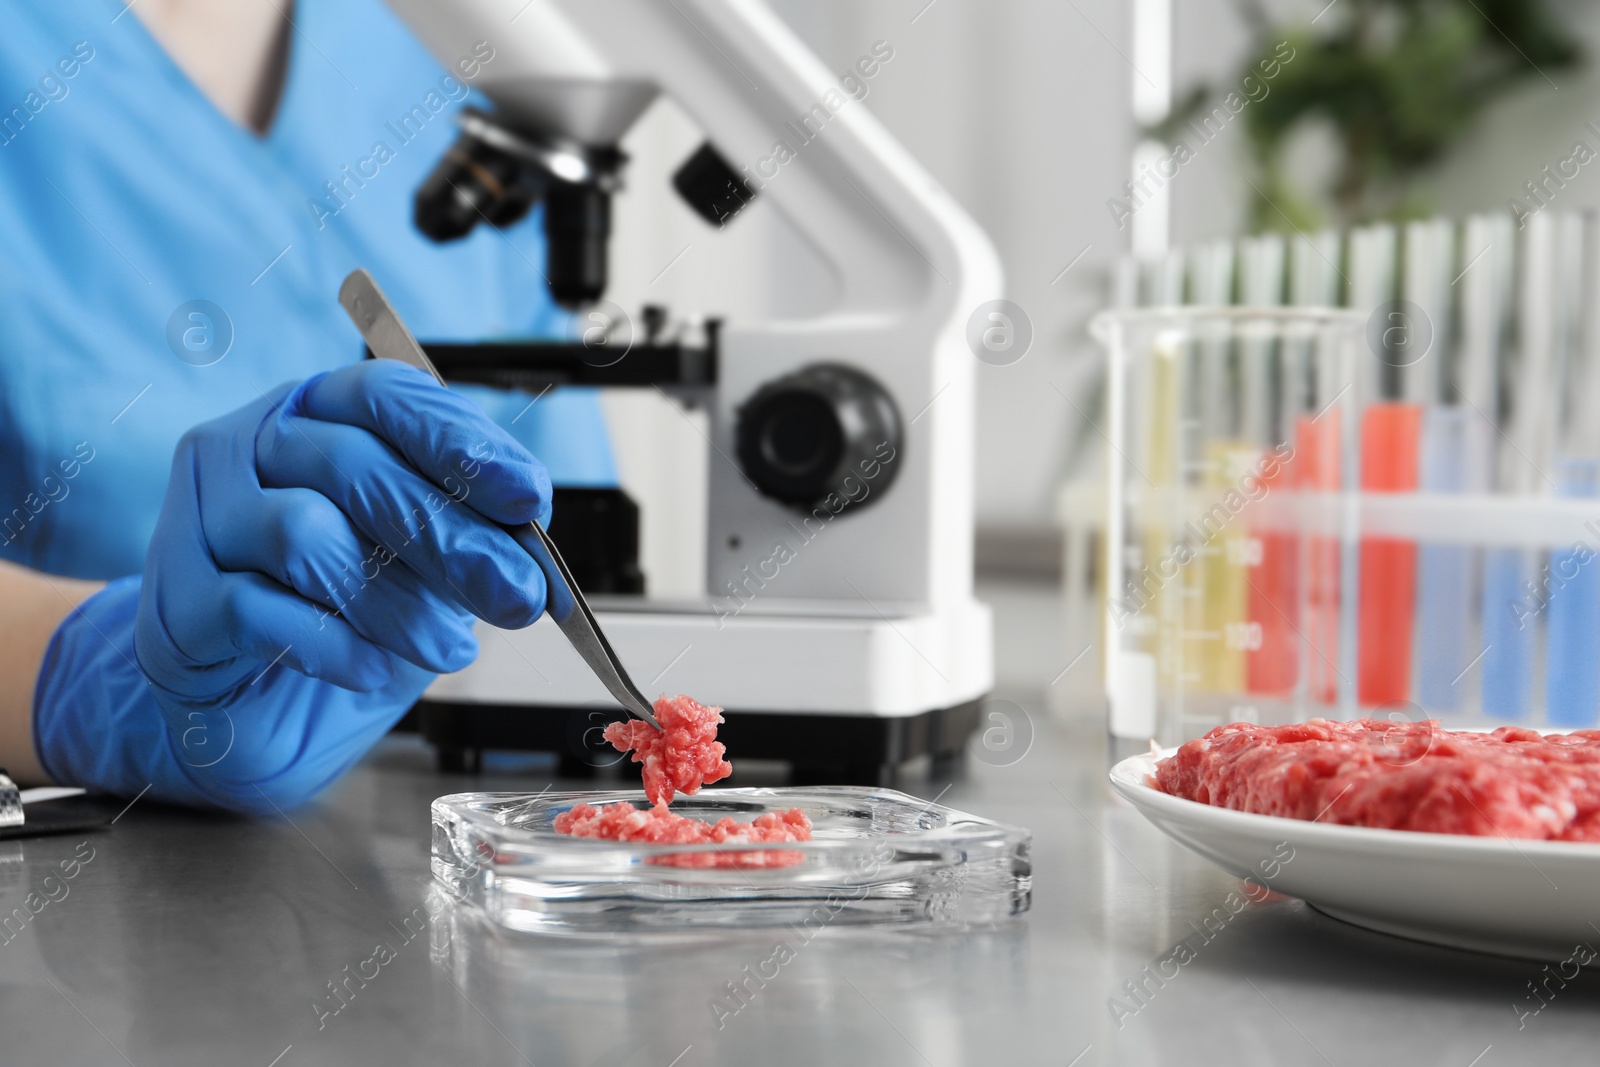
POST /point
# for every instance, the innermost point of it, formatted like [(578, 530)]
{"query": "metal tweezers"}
[(389, 338)]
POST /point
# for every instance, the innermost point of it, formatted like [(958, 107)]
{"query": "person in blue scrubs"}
[(292, 541)]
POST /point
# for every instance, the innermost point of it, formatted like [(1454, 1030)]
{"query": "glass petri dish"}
[(877, 858)]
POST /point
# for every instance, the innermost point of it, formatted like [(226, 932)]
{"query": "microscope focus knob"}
[(801, 436)]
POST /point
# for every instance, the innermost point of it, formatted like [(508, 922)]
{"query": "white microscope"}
[(839, 630)]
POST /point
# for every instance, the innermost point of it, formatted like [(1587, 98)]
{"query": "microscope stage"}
[(851, 661)]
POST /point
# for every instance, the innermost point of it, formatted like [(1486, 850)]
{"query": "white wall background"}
[(1020, 109)]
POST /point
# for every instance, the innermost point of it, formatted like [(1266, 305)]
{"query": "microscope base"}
[(820, 749), (847, 696)]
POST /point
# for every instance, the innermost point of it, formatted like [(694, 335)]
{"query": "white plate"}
[(1537, 899)]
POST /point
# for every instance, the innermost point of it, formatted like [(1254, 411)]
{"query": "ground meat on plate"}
[(1513, 782), (657, 825), (680, 757)]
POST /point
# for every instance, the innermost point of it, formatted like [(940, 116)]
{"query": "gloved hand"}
[(319, 557)]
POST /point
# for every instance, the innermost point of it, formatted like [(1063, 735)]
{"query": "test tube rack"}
[(1463, 515)]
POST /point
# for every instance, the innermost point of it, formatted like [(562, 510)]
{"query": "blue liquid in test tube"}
[(1572, 694), (1508, 638), (1509, 628)]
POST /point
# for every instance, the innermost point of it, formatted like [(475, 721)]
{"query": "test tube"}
[(1571, 586), (1391, 430), (1390, 436), (1316, 467), (1163, 280), (1217, 595), (1166, 422), (1509, 638), (1458, 450), (1449, 464), (1269, 549), (1151, 650)]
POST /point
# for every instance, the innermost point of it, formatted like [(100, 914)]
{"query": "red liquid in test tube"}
[(1315, 469), (1272, 568), (1390, 457)]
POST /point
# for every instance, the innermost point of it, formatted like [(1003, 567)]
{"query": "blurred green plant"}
[(1400, 83)]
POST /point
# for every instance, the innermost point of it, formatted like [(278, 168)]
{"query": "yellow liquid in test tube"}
[(1152, 622), (1218, 633)]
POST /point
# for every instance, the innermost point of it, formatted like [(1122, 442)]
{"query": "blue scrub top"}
[(129, 205)]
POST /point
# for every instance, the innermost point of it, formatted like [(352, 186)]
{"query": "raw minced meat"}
[(681, 756), (1512, 782), (658, 825)]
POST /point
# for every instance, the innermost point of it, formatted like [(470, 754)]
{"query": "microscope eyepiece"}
[(577, 227), (474, 182)]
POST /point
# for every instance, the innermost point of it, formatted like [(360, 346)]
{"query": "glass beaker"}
[(1230, 515)]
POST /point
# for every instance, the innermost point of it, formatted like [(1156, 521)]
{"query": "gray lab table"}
[(194, 939)]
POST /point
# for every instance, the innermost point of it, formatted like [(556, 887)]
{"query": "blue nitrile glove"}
[(320, 555)]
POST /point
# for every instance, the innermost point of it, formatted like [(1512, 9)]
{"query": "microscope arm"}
[(586, 69), (910, 266)]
